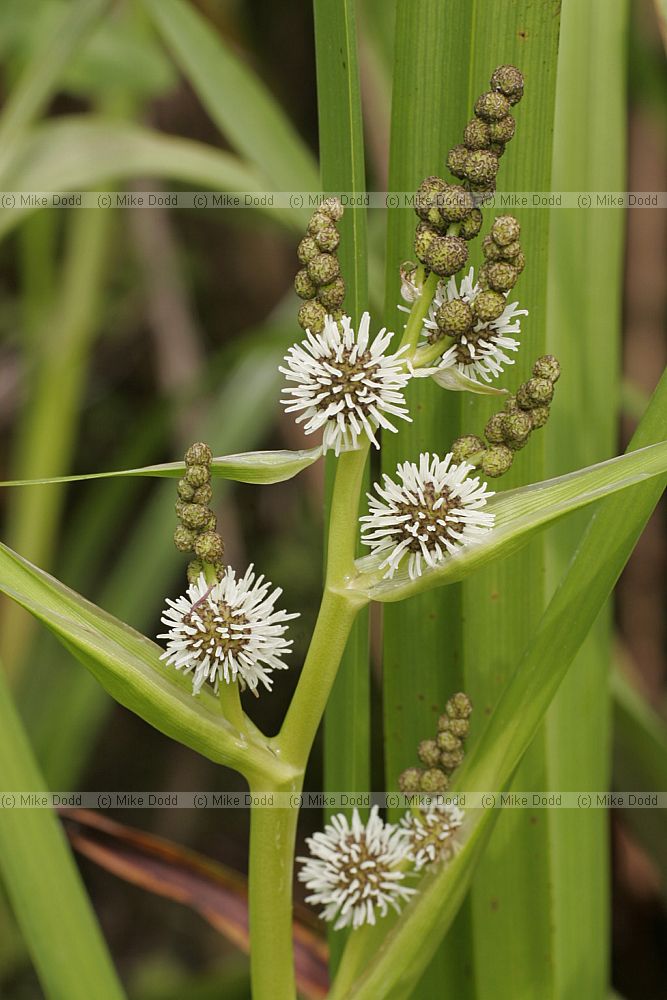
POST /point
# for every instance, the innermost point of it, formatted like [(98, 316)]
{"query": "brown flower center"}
[(217, 630), (426, 517)]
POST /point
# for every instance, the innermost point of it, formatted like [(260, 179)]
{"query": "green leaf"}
[(265, 467), (42, 880), (236, 100), (128, 666), (519, 514)]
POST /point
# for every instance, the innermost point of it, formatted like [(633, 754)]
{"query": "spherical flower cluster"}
[(356, 869), (432, 834), (345, 384), (228, 632), (431, 513)]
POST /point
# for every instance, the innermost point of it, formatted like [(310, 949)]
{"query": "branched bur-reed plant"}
[(432, 522)]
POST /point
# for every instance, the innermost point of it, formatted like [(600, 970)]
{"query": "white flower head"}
[(434, 510), (432, 834), (229, 632), (345, 383), (355, 869), (486, 350)]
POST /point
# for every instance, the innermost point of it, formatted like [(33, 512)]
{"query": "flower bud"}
[(195, 569), (489, 305), (503, 130), (209, 547), (501, 276), (304, 286), (481, 166), (509, 81), (195, 516), (450, 761), (323, 268), (185, 490), (203, 494), (497, 460), (492, 106), (455, 203), (465, 447), (184, 539), (471, 225), (454, 318), (429, 753), (424, 237), (410, 780), (311, 316), (519, 262), (510, 251), (457, 159), (197, 475), (505, 229), (511, 405), (306, 250), (517, 426), (427, 199), (198, 454), (540, 391), (491, 250), (495, 428), (539, 416), (333, 208), (319, 220), (459, 727), (547, 367), (459, 706), (446, 255), (332, 295), (447, 740), (434, 781), (327, 238), (476, 134)]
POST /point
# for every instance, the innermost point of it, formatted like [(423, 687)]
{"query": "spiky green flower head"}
[(306, 250), (492, 106), (481, 167), (497, 460), (471, 225), (434, 780), (489, 305), (476, 134), (323, 268), (467, 447), (495, 430), (457, 159), (455, 204), (209, 547), (429, 753), (503, 130), (454, 318), (505, 230), (311, 316), (535, 392), (547, 367), (333, 208), (184, 538), (517, 426), (446, 255), (327, 238), (459, 706), (332, 295), (410, 780), (425, 235), (447, 740), (508, 80), (427, 199), (198, 454), (304, 286), (538, 416), (501, 276)]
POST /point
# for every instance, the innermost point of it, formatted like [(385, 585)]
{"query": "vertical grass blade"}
[(342, 168), (42, 881), (583, 330)]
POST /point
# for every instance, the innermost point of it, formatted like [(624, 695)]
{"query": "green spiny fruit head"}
[(304, 286), (519, 262), (489, 305), (510, 251), (332, 295), (459, 706), (434, 780), (455, 203), (471, 225), (517, 426), (457, 159), (328, 238), (203, 494), (306, 250), (497, 460), (410, 780), (547, 367), (495, 428), (446, 255), (195, 516), (465, 447), (427, 199), (505, 229), (197, 475), (502, 130), (333, 208), (540, 391), (492, 106), (501, 276), (491, 250), (511, 404), (451, 760), (454, 318), (509, 81), (198, 454), (481, 167), (319, 220), (539, 416), (447, 740), (424, 237), (459, 727), (195, 570), (429, 753), (323, 268), (311, 316), (184, 539), (209, 547), (185, 490), (476, 134)]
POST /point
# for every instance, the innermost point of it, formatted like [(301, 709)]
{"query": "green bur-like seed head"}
[(491, 250), (332, 295), (185, 490), (481, 167), (427, 199), (489, 305), (209, 547), (424, 237), (304, 286), (495, 431), (328, 238), (455, 203), (517, 426), (539, 416), (503, 130), (476, 134), (203, 494), (450, 761), (509, 81), (195, 516), (434, 780), (311, 316), (198, 454), (497, 460), (505, 229), (198, 475), (492, 106), (323, 268), (429, 753), (459, 706), (410, 780), (446, 255), (306, 250), (510, 252), (465, 447), (454, 318), (457, 159), (448, 741), (333, 208), (184, 539), (318, 221), (540, 391), (547, 367), (501, 276), (459, 727), (471, 225)]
